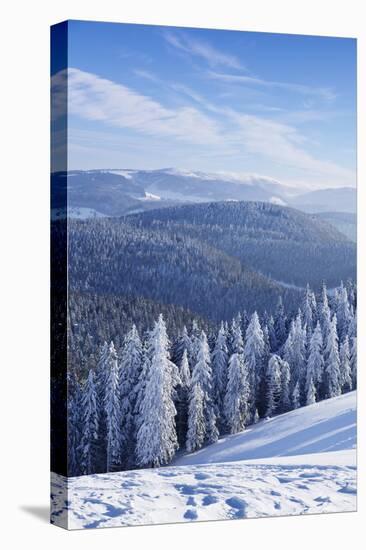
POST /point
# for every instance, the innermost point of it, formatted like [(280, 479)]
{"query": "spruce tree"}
[(296, 396), (89, 422), (100, 383), (202, 375), (253, 355), (156, 436), (273, 377), (112, 412), (310, 393), (308, 309), (285, 398), (220, 374), (315, 363), (345, 366), (343, 312), (332, 362), (196, 419), (195, 338), (295, 354), (324, 313), (272, 335), (74, 425), (129, 373), (353, 361), (183, 343), (237, 394), (280, 323), (181, 403)]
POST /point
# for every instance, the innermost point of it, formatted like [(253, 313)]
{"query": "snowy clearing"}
[(317, 476)]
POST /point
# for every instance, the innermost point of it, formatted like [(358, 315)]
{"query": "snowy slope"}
[(326, 426), (317, 476)]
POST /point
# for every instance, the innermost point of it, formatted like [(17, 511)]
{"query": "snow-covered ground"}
[(320, 428), (300, 462)]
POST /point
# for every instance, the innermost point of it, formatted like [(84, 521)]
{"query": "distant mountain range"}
[(98, 193), (343, 199)]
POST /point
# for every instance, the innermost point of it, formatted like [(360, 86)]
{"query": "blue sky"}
[(283, 106)]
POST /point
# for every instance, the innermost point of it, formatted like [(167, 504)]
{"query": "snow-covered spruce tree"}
[(324, 314), (332, 377), (182, 343), (100, 383), (220, 374), (244, 321), (156, 436), (345, 366), (196, 419), (112, 412), (74, 426), (195, 339), (89, 421), (309, 310), (262, 388), (353, 361), (343, 312), (280, 323), (141, 383), (253, 356), (296, 396), (285, 397), (315, 364), (310, 393), (237, 344), (129, 372), (352, 326), (272, 335), (352, 293), (237, 394), (181, 401), (273, 378), (202, 375), (295, 354)]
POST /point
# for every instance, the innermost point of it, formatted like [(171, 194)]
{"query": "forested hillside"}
[(137, 404), (115, 257), (282, 243)]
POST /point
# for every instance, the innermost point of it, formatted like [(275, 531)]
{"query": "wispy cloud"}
[(203, 50), (284, 145), (217, 130), (98, 99), (147, 75), (324, 93)]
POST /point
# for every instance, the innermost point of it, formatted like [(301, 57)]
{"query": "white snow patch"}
[(277, 200), (128, 174), (150, 197), (329, 425), (300, 462)]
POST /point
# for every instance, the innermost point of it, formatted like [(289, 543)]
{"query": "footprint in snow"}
[(238, 507), (349, 489), (186, 489), (322, 500), (209, 499), (200, 476), (190, 514), (191, 502)]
